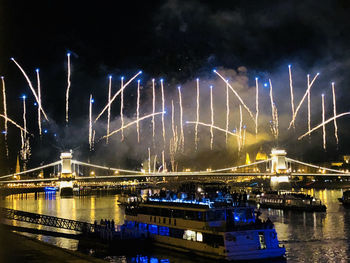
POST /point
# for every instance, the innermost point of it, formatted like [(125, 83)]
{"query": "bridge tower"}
[(66, 177), (279, 166)]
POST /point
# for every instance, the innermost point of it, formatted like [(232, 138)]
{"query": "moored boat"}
[(208, 229), (290, 201)]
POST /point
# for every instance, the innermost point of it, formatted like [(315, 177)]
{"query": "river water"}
[(308, 237)]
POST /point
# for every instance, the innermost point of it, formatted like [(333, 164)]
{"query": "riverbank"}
[(18, 248)]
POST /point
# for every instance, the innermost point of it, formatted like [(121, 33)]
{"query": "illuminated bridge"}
[(66, 172)]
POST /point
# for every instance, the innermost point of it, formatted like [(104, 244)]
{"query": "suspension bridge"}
[(67, 171)]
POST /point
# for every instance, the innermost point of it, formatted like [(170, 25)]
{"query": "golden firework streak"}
[(323, 126), (109, 105), (237, 95), (301, 101), (197, 116), (68, 86), (212, 118), (115, 95), (15, 124), (335, 114), (211, 126), (5, 112), (323, 123), (130, 123)]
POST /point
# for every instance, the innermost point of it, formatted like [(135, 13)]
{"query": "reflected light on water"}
[(308, 237), (92, 208)]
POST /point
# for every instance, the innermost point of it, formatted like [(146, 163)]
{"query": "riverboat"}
[(215, 230), (345, 199), (289, 201)]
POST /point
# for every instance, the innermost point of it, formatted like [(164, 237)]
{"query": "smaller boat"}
[(345, 199), (126, 200), (290, 201)]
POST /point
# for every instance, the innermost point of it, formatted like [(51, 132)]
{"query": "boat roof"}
[(187, 204)]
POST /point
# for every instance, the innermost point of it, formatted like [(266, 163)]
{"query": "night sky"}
[(178, 41)]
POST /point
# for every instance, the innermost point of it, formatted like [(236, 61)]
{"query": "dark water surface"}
[(308, 237)]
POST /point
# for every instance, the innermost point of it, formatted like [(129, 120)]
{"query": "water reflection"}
[(308, 237)]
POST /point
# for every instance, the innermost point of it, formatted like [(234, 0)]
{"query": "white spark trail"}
[(182, 136), (291, 91), (93, 139), (24, 117), (131, 123), (122, 106), (323, 126), (173, 118), (237, 95), (227, 111), (153, 108), (302, 100), (31, 87), (212, 118), (39, 96), (24, 135), (335, 114), (163, 110), (274, 113), (212, 126), (138, 111), (5, 112), (197, 115), (90, 122), (15, 124), (308, 104), (256, 105), (240, 127), (109, 106), (115, 95), (324, 123), (68, 87)]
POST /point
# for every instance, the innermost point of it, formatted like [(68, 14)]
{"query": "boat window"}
[(200, 216), (164, 231), (154, 219), (244, 215), (199, 237), (216, 215), (143, 210), (169, 221), (153, 229), (262, 240), (178, 213), (213, 240), (177, 233), (154, 211), (130, 224), (165, 212), (164, 220), (210, 215), (142, 226), (174, 222), (190, 215), (220, 215), (189, 235)]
